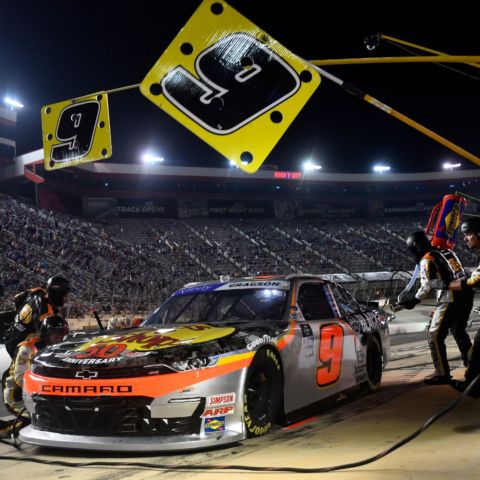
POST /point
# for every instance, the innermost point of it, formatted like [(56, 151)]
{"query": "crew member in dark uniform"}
[(37, 305), (52, 330), (471, 231)]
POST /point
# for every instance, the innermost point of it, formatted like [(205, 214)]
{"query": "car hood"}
[(145, 350)]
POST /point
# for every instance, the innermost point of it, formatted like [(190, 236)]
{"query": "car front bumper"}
[(129, 444)]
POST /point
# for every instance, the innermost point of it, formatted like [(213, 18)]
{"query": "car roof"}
[(286, 278)]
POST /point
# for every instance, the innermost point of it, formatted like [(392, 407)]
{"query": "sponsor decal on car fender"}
[(260, 341), (214, 424), (221, 399), (215, 412)]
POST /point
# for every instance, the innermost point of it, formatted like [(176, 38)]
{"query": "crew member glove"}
[(410, 303)]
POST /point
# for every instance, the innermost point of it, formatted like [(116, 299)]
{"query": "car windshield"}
[(221, 306)]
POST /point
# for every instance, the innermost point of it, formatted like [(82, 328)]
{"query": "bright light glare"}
[(234, 164), (309, 166), (381, 168), (11, 102), (149, 158), (451, 166)]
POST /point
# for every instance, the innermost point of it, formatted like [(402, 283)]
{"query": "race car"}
[(217, 362)]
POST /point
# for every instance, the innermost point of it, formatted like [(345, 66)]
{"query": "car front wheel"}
[(263, 393)]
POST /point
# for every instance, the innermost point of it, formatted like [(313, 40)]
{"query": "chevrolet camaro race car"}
[(216, 363)]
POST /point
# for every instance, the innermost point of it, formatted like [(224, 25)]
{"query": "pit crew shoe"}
[(461, 385), (438, 380)]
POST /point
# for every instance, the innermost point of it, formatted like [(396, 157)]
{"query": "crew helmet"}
[(57, 287), (52, 329), (471, 225), (418, 245)]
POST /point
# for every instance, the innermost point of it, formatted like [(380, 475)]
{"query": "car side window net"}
[(346, 303), (313, 303)]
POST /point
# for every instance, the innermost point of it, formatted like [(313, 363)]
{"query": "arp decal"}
[(215, 412), (213, 425)]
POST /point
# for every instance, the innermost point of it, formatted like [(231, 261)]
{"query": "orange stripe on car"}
[(283, 341), (148, 386)]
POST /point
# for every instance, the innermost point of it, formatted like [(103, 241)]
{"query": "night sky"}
[(55, 50)]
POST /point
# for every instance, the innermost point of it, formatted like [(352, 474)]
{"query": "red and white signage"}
[(221, 399)]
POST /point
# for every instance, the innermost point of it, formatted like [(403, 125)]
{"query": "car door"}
[(326, 357)]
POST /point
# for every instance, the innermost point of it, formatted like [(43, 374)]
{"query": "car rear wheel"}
[(263, 393), (374, 364)]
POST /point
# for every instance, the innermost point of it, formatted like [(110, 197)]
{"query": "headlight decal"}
[(149, 386)]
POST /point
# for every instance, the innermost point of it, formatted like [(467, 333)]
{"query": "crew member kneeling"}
[(52, 330)]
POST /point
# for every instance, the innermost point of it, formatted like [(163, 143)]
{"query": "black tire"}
[(263, 393), (374, 364)]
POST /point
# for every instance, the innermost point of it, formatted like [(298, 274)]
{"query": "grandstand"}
[(128, 237)]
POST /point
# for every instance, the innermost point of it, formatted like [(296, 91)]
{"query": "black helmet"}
[(471, 225), (418, 245), (53, 329), (57, 287)]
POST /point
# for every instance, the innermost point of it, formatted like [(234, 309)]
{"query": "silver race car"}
[(216, 363)]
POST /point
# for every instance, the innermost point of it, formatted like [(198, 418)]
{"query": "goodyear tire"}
[(374, 364), (263, 393)]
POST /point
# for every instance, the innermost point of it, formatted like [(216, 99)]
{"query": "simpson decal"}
[(222, 399)]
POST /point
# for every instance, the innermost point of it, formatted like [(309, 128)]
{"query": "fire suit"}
[(13, 380), (35, 309), (473, 367), (437, 269)]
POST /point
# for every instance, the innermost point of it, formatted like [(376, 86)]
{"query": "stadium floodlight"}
[(309, 166), (381, 168), (450, 166), (12, 103), (149, 158)]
